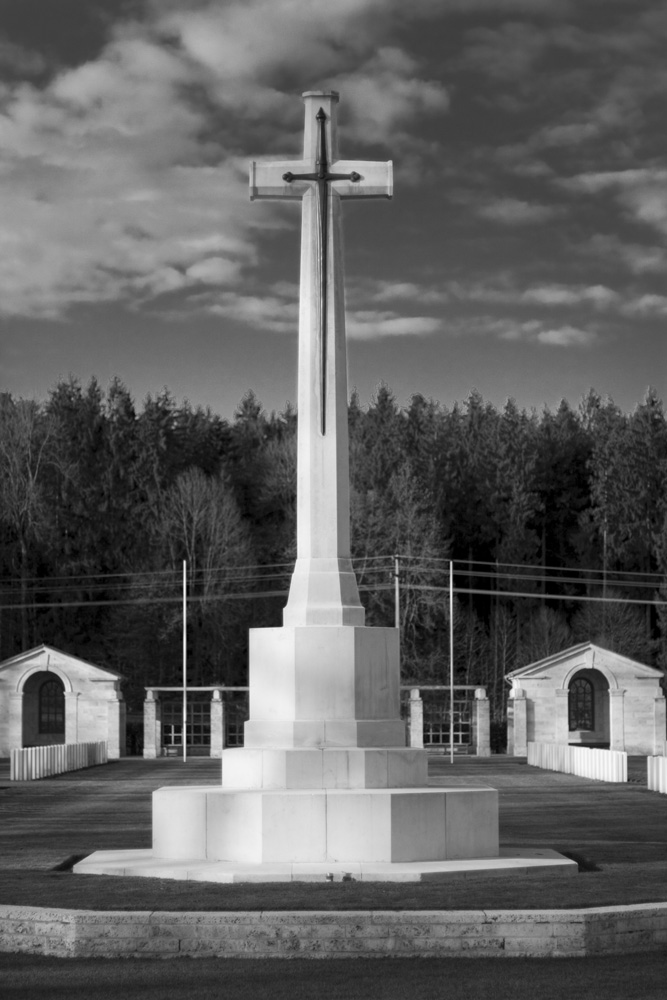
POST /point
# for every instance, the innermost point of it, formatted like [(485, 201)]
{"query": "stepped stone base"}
[(510, 863), (352, 767), (324, 825)]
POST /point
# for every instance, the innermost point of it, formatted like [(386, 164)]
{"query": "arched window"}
[(51, 707), (581, 704)]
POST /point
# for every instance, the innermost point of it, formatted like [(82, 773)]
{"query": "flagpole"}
[(451, 661), (184, 730), (397, 594)]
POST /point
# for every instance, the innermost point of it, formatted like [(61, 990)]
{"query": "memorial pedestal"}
[(325, 776)]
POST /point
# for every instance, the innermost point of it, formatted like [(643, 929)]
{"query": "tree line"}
[(555, 523)]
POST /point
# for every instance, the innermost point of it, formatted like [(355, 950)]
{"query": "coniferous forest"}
[(556, 523)]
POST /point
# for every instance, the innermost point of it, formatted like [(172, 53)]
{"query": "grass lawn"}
[(617, 832), (638, 977)]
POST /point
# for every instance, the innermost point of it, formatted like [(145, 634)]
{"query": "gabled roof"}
[(541, 666), (24, 658)]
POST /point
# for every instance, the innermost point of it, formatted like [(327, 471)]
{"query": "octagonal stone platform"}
[(324, 825)]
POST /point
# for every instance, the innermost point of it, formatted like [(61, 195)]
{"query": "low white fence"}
[(42, 762), (656, 774), (586, 762)]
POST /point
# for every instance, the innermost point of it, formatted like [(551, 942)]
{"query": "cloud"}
[(214, 271), (124, 178), (566, 336), (647, 305), (533, 331), (514, 212), (503, 53), (269, 313), (373, 324), (598, 296), (385, 94), (642, 192), (254, 51), (393, 291), (622, 180), (638, 258), (20, 60), (278, 312)]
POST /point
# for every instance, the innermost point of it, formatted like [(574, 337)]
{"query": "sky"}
[(523, 255)]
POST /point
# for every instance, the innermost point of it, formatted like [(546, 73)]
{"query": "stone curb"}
[(334, 934)]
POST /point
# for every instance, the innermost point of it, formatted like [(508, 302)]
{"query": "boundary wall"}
[(346, 934), (41, 762), (585, 762), (656, 774)]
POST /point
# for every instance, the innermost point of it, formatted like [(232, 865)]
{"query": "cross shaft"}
[(323, 178), (323, 590)]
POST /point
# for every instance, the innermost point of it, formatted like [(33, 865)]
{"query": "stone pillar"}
[(71, 716), (561, 717), (217, 724), (481, 724), (116, 727), (15, 727), (659, 725), (517, 723), (416, 719), (616, 719), (152, 725)]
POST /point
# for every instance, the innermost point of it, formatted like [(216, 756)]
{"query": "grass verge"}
[(610, 886)]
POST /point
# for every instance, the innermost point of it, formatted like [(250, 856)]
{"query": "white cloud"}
[(647, 305), (598, 296), (636, 178), (567, 336), (638, 258), (514, 212), (550, 296), (271, 313), (214, 271), (385, 94), (125, 177), (394, 291), (533, 331), (642, 192), (372, 325)]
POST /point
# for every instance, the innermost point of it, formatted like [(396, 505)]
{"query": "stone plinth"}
[(324, 825), (351, 767), (319, 686)]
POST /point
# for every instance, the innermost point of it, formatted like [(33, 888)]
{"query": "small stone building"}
[(587, 696), (48, 697)]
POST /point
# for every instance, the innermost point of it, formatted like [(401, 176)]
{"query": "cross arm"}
[(266, 179), (376, 179)]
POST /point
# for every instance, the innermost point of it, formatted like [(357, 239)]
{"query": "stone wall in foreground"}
[(322, 934)]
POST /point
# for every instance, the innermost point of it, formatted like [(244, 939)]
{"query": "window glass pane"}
[(51, 707), (581, 704)]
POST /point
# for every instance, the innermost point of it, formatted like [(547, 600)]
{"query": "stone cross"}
[(323, 590)]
